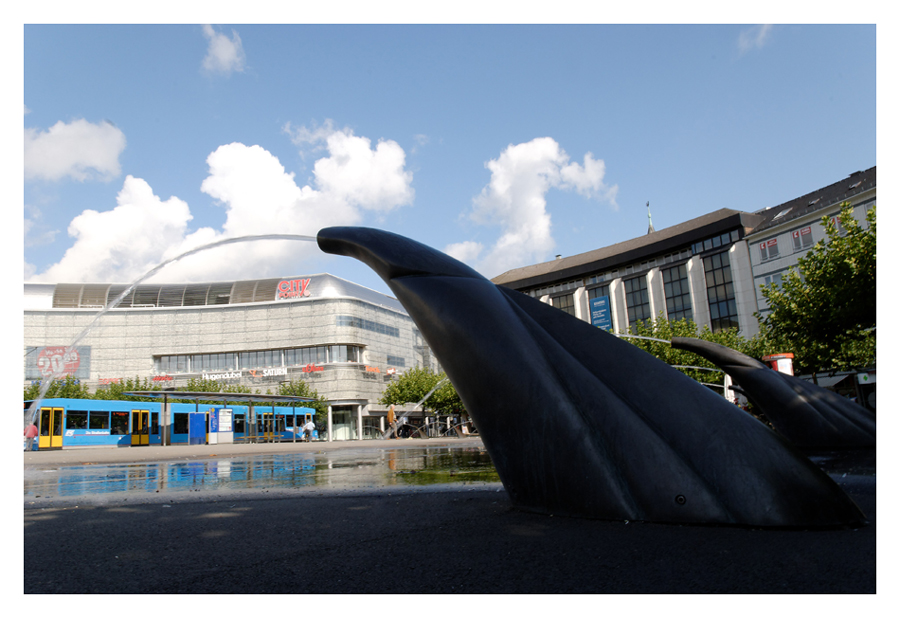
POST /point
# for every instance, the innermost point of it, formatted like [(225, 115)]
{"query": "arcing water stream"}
[(30, 414)]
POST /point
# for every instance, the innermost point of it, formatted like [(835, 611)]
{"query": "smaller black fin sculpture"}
[(806, 414), (581, 423)]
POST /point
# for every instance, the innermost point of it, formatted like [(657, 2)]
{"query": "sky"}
[(502, 145)]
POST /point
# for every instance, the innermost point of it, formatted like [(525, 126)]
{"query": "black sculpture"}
[(580, 423), (804, 413)]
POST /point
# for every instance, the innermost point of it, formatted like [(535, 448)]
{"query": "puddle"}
[(338, 470)]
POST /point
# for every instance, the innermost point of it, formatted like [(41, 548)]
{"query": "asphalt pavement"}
[(417, 540)]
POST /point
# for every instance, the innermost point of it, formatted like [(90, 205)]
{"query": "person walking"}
[(308, 429), (31, 433)]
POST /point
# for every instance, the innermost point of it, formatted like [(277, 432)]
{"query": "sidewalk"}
[(182, 452)]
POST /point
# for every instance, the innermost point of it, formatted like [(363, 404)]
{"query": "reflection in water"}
[(341, 470)]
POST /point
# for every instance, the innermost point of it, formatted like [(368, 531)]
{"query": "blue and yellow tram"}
[(96, 422), (67, 423)]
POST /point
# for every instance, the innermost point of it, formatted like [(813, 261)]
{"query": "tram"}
[(68, 423)]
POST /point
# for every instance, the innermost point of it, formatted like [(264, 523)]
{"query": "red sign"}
[(804, 232), (772, 242), (53, 361), (162, 378), (295, 288), (110, 380), (373, 369), (310, 368)]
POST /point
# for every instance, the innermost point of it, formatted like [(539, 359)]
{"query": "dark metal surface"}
[(580, 423), (804, 413)]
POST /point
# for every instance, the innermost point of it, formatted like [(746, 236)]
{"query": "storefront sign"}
[(373, 369), (264, 373), (110, 380), (228, 375), (295, 288), (310, 368), (162, 378), (600, 313)]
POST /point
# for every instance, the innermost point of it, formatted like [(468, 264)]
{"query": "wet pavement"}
[(398, 517), (52, 478)]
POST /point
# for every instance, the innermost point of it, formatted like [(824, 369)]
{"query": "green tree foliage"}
[(414, 384), (824, 310), (65, 388), (299, 388), (664, 329)]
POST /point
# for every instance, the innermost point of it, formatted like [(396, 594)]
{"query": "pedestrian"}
[(308, 430), (31, 433)]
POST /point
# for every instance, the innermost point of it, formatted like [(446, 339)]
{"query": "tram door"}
[(50, 428), (140, 427)]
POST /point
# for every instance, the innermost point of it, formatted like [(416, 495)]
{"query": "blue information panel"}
[(600, 313)]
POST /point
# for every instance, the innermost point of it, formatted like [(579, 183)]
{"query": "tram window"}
[(239, 423), (154, 423), (119, 424), (76, 419), (98, 420), (180, 423)]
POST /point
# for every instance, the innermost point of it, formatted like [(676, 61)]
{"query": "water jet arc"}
[(580, 423)]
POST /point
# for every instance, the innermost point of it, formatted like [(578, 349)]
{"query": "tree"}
[(665, 329), (65, 388), (824, 310), (415, 383), (299, 388)]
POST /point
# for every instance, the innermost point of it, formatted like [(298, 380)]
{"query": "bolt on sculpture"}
[(804, 413), (580, 423)]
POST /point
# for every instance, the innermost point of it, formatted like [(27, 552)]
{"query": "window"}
[(375, 327), (720, 292), (802, 238), (637, 299), (776, 279), (566, 303), (180, 422), (120, 424), (678, 293), (396, 361), (768, 249), (98, 420), (597, 292), (76, 419)]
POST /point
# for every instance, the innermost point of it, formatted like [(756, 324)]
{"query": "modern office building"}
[(345, 340), (709, 269)]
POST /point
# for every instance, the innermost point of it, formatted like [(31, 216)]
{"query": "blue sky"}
[(502, 145)]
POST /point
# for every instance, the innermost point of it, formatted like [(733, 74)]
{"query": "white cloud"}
[(754, 38), (515, 200), (36, 232), (259, 196), (223, 55), (466, 251), (80, 150)]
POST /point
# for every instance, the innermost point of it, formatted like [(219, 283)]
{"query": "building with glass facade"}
[(709, 269), (345, 340)]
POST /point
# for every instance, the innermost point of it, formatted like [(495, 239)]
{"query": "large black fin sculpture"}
[(806, 414), (580, 423)]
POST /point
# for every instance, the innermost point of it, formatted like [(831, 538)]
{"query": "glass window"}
[(566, 303), (768, 249), (597, 292), (98, 420), (180, 422), (239, 426), (802, 238), (720, 292), (119, 424), (678, 294), (76, 419), (637, 300)]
